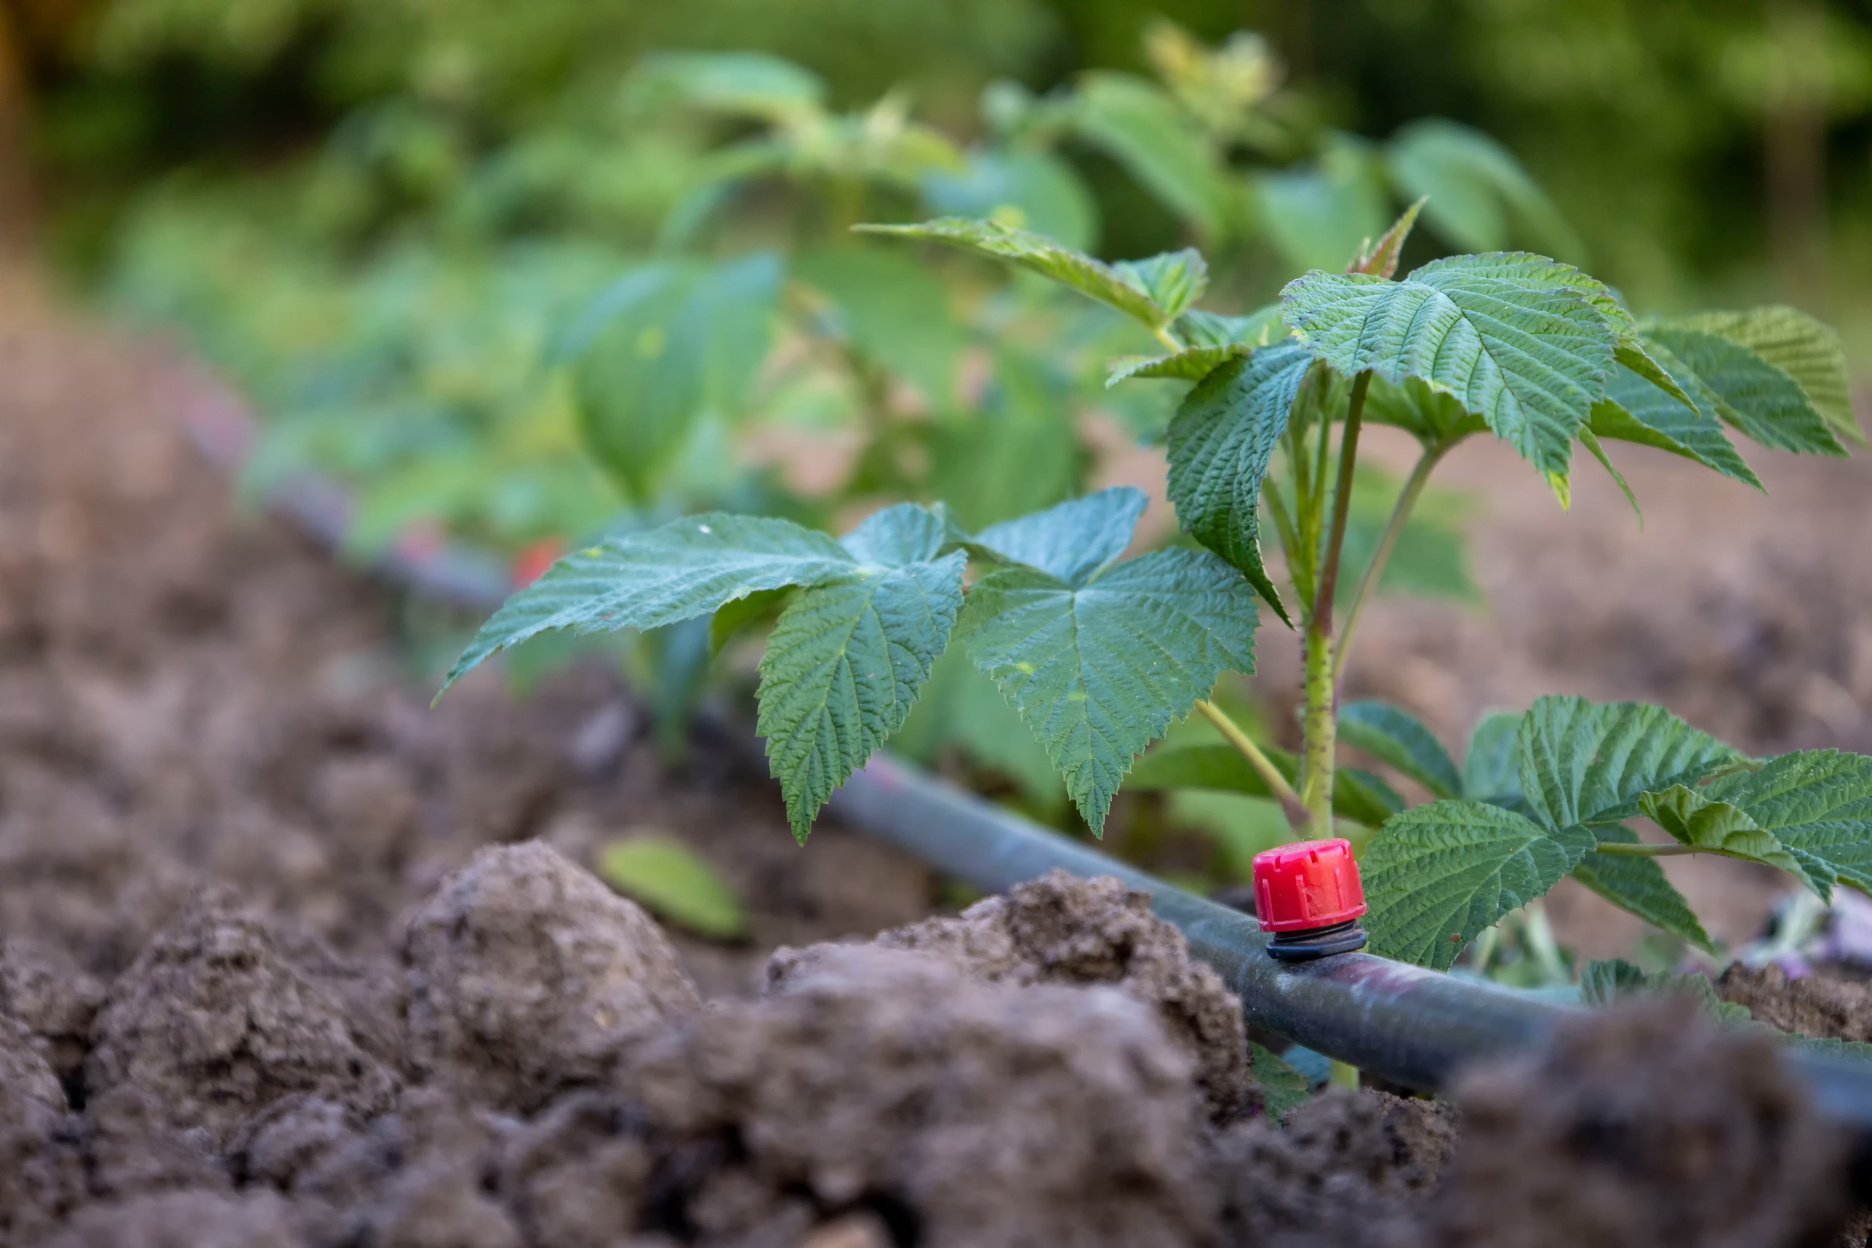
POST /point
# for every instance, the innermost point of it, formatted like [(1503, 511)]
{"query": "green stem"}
[(1320, 716), (1263, 765), (1394, 528), (1344, 1075), (1622, 850), (1169, 341)]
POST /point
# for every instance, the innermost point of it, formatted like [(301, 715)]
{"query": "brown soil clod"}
[(527, 974), (1812, 1005)]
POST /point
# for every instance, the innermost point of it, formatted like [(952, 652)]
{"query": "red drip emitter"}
[(1308, 895)]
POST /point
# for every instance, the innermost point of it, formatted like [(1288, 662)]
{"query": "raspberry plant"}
[(1100, 653)]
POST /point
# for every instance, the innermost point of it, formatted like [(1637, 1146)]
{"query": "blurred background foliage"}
[(535, 271)]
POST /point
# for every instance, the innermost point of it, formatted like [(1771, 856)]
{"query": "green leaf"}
[(1221, 441), (1029, 190), (1398, 738), (1640, 886), (1173, 280), (1318, 215), (749, 84), (1753, 395), (847, 659), (736, 617), (1073, 541), (1439, 874), (1434, 417), (1720, 828), (1283, 1089), (1591, 442), (687, 568), (892, 310), (1380, 258), (1358, 796), (1492, 762), (1197, 328), (1091, 278), (1800, 346), (1101, 668), (1528, 357), (1192, 364), (1815, 804), (1635, 410), (1479, 196), (674, 883), (1141, 127), (662, 349), (1589, 763)]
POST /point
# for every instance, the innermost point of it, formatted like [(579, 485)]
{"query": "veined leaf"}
[(843, 668), (1072, 541), (1100, 669), (1434, 417), (1720, 828), (1358, 796), (1635, 410), (1091, 278), (1589, 763), (1439, 874), (1753, 395), (1173, 280), (1221, 441), (1192, 364), (1640, 886), (1381, 258), (1529, 357), (1030, 190), (681, 570), (1398, 738), (1816, 804), (1800, 346), (1197, 328), (1492, 762)]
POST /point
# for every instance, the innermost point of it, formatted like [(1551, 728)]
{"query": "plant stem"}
[(1394, 528), (1344, 1075), (1622, 850), (1169, 341), (1320, 717), (1263, 765)]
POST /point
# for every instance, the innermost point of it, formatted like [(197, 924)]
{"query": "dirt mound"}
[(1650, 1126), (1064, 930), (1814, 1005), (526, 974)]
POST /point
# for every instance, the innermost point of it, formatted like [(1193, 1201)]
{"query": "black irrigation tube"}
[(1403, 1023)]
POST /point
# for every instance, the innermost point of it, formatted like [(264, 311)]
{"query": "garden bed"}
[(290, 958)]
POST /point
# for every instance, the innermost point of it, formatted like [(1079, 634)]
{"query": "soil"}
[(288, 959)]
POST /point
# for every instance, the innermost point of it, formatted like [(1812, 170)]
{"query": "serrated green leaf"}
[(1591, 442), (737, 616), (1192, 364), (1357, 795), (674, 883), (1492, 762), (1072, 541), (1528, 357), (1590, 763), (1637, 411), (1817, 804), (1100, 669), (1800, 346), (1173, 280), (1029, 190), (1091, 278), (1639, 885), (1398, 738), (1720, 828), (1283, 1088), (847, 659), (1221, 441), (1380, 258), (1754, 396), (1141, 127), (681, 570), (1197, 328), (1439, 874)]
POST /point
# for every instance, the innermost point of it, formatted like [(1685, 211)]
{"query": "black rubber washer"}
[(1320, 942)]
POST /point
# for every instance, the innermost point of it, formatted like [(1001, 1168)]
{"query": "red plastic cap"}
[(1307, 885)]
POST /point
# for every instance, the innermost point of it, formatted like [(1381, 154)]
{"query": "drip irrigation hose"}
[(1405, 1024)]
